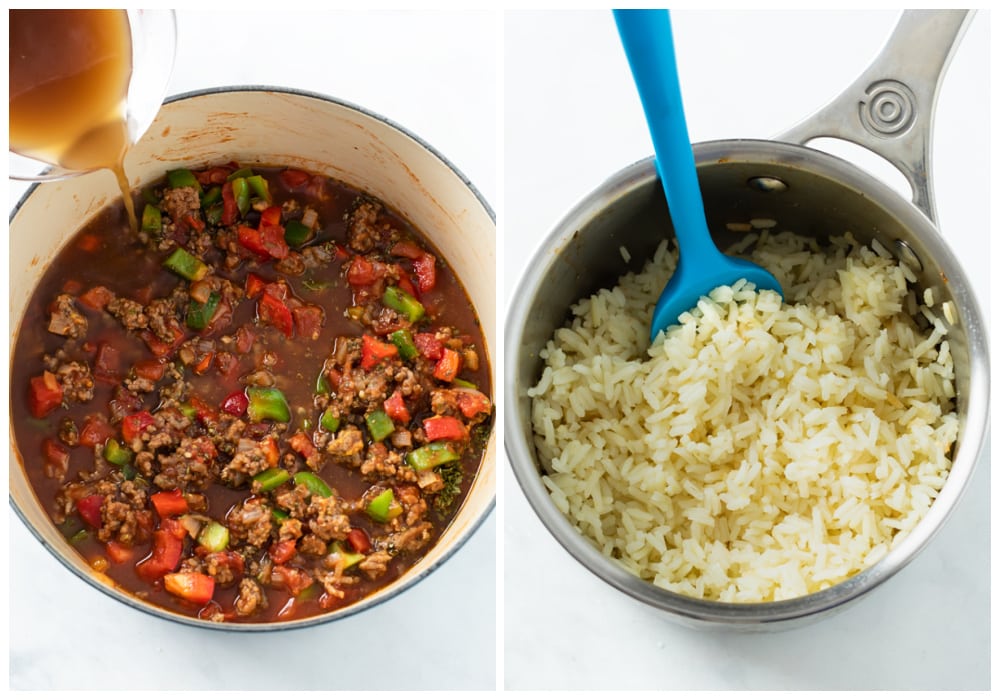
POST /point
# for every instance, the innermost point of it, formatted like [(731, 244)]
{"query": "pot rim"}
[(378, 596), (700, 612)]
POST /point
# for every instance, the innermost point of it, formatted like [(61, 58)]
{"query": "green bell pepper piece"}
[(431, 455), (259, 187), (152, 220), (241, 173), (384, 507), (213, 214), (214, 537), (403, 340), (379, 425), (297, 233), (316, 486), (267, 403), (241, 192), (398, 300), (278, 515), (199, 314), (329, 421), (272, 478), (350, 558), (186, 265), (183, 178), (118, 455), (211, 197)]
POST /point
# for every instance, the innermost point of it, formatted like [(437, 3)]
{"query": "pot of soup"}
[(271, 404), (765, 461)]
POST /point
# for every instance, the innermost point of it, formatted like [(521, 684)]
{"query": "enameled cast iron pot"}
[(888, 110), (272, 126)]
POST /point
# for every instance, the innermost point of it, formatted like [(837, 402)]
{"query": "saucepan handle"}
[(889, 109)]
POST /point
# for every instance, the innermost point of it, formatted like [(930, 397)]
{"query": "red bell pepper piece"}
[(301, 443), (429, 345), (173, 527), (190, 585), (95, 431), (117, 552), (292, 178), (132, 426), (96, 298), (358, 539), (255, 285), (160, 348), (407, 249), (361, 272), (164, 558), (425, 269), (444, 428), (448, 366), (203, 411), (230, 210), (282, 552), (169, 503), (471, 403), (89, 508), (236, 403), (374, 351), (45, 394), (396, 409), (272, 310), (150, 369)]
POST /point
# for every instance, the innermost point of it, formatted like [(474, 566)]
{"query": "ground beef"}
[(312, 546), (250, 522), (347, 445), (65, 320), (362, 226), (251, 598), (326, 520), (410, 539), (224, 567), (178, 202), (294, 500), (131, 314), (248, 461), (380, 461), (77, 382), (375, 564), (190, 467), (290, 529), (69, 434)]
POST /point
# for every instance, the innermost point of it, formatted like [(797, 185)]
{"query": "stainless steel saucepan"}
[(889, 110)]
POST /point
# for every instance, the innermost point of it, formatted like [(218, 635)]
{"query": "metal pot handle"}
[(889, 109)]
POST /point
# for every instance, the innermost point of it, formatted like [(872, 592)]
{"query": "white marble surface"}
[(571, 119), (434, 73)]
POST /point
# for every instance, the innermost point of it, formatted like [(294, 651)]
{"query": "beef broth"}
[(266, 405)]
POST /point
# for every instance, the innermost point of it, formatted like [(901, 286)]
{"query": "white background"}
[(571, 119), (435, 74)]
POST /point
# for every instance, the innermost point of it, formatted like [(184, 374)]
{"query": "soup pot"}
[(273, 126), (888, 110)]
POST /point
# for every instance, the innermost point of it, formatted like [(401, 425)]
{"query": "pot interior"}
[(818, 196), (271, 127)]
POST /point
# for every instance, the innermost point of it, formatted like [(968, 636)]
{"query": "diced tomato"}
[(95, 431), (89, 242), (236, 403), (89, 508), (361, 272), (150, 369), (273, 311), (190, 585), (118, 553), (340, 252), (294, 580), (45, 394), (96, 298), (173, 527), (164, 558), (429, 345), (169, 503), (250, 239), (194, 222), (444, 428), (255, 285), (72, 287), (132, 426), (405, 284), (226, 363), (272, 239), (358, 539), (204, 363), (282, 552), (396, 409), (202, 411), (107, 363), (308, 321), (269, 446), (407, 249), (293, 178), (215, 175), (301, 443), (270, 217), (230, 210), (244, 340), (425, 269), (448, 366), (160, 348), (471, 403), (55, 457), (374, 351)]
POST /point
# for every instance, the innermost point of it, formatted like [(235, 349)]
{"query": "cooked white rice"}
[(760, 450)]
